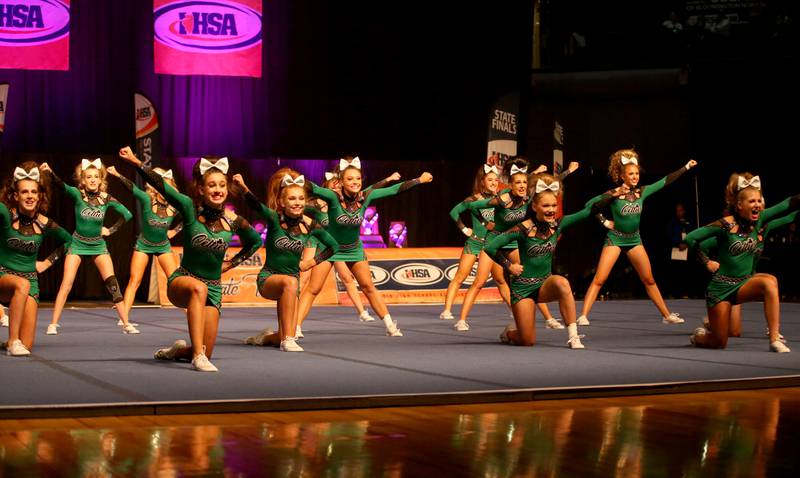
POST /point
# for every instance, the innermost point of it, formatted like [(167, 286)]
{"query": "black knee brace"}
[(112, 286)]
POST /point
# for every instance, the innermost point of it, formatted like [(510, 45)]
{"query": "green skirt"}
[(723, 289), (526, 288), (32, 277), (473, 246), (147, 247), (623, 239), (87, 246), (214, 297), (350, 253)]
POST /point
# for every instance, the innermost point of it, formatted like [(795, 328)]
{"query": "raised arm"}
[(593, 206), (667, 180), (780, 222), (71, 191), (397, 188), (383, 182), (783, 207), (327, 195), (259, 207), (141, 196)]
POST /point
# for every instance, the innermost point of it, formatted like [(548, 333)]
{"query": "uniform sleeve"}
[(5, 216), (780, 222), (694, 238), (379, 184), (783, 207), (141, 196), (593, 206), (494, 246), (62, 238), (390, 191), (327, 195), (665, 181), (260, 208), (459, 209), (324, 237), (120, 208), (181, 202), (251, 241)]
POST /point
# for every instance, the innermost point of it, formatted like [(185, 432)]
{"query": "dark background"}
[(408, 86)]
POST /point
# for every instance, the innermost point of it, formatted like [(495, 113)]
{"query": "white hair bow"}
[(754, 182), (542, 186), (629, 160), (167, 174), (221, 164), (516, 170), (490, 169), (344, 164), (95, 163), (289, 181), (329, 176), (20, 174)]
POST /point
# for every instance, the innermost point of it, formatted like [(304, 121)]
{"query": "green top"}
[(286, 238), (90, 210), (155, 224), (536, 252), (480, 217), (205, 242), (314, 209), (20, 247), (506, 214), (626, 211), (738, 251), (345, 222)]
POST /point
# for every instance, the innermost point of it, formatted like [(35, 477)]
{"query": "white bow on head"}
[(166, 174), (754, 182), (344, 164), (95, 163), (288, 181), (329, 176), (629, 160), (542, 186), (516, 170), (221, 164), (490, 169), (20, 174)]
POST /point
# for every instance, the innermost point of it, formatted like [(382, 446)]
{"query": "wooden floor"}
[(745, 433)]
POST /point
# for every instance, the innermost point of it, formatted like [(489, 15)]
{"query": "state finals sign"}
[(34, 34), (207, 37)]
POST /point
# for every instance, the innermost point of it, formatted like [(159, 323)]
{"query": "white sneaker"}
[(446, 315), (289, 344), (779, 347), (673, 318), (504, 334), (698, 332), (170, 352), (298, 333), (393, 331), (120, 323), (17, 349), (582, 320), (365, 317), (130, 329), (259, 339), (780, 336), (201, 363), (4, 321), (554, 324), (52, 329), (461, 326), (575, 342)]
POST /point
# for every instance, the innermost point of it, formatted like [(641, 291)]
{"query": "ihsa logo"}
[(212, 26), (33, 23)]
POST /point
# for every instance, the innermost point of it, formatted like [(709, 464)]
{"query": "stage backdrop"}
[(34, 34)]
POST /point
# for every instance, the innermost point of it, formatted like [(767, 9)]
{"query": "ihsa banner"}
[(207, 37), (34, 34)]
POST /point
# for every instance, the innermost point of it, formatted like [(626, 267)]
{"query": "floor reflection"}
[(735, 434)]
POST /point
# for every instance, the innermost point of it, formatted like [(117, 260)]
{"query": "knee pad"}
[(112, 286)]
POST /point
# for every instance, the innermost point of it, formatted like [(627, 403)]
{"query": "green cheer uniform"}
[(345, 220), (507, 214), (19, 246), (626, 212), (536, 252), (205, 241), (286, 239), (737, 251), (153, 238), (480, 219)]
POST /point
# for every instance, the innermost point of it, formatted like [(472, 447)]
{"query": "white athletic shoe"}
[(698, 332), (201, 363), (52, 329), (780, 336), (575, 342), (582, 320), (298, 333), (779, 347), (554, 324), (4, 321), (17, 349), (289, 344), (461, 326), (504, 334), (673, 318), (120, 323), (130, 329), (365, 317), (259, 339), (446, 315), (170, 352), (393, 331)]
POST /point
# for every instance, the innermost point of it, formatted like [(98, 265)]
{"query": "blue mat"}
[(91, 362)]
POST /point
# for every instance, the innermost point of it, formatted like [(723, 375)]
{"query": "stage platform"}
[(91, 368)]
